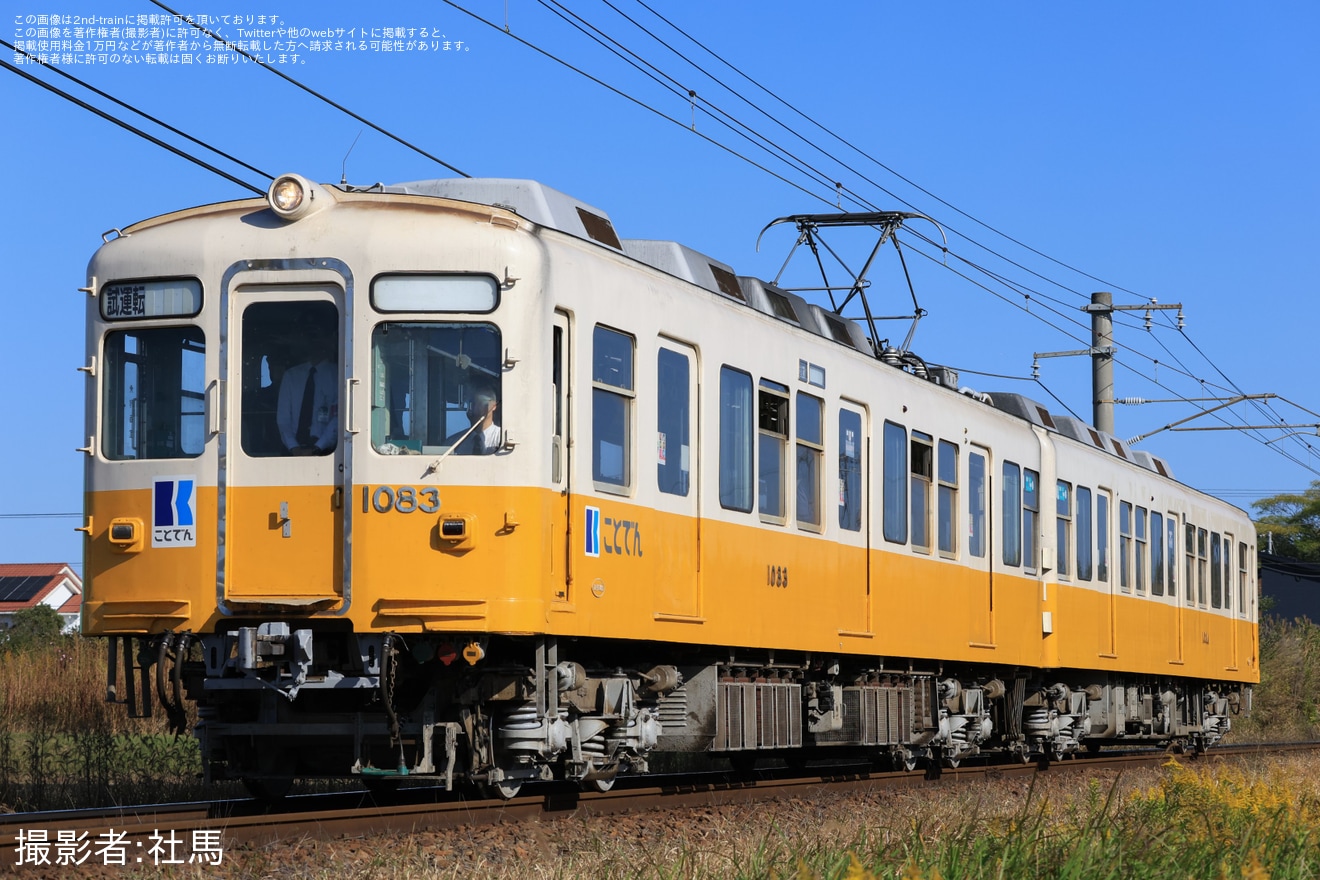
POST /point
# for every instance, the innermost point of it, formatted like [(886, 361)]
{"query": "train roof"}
[(541, 204), (553, 209)]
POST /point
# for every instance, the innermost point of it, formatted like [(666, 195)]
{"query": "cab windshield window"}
[(154, 394), (436, 387)]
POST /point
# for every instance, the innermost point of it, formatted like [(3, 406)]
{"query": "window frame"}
[(894, 508), (1202, 565), (1084, 532), (737, 440), (946, 501), (1030, 519), (1157, 553), (1010, 492), (1125, 546), (978, 470), (188, 338), (1063, 528), (1141, 548), (768, 438), (664, 417), (625, 398), (921, 461), (852, 486), (812, 451)]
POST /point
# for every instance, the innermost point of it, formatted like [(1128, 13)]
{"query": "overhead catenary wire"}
[(1263, 406), (165, 125), (282, 75), (798, 166), (622, 94), (854, 148), (131, 128)]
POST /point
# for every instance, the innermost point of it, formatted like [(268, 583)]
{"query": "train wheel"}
[(601, 785)]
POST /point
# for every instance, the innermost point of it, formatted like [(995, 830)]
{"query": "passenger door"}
[(981, 547), (561, 447), (281, 504), (678, 561)]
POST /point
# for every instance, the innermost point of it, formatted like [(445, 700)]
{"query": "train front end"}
[(307, 508)]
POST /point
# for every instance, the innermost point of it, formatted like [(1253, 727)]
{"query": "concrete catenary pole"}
[(1102, 361)]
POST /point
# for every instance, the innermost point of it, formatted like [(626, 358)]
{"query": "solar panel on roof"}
[(20, 588)]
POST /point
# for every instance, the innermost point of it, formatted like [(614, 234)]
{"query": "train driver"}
[(307, 412), (483, 437)]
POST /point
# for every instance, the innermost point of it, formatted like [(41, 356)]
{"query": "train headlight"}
[(293, 196)]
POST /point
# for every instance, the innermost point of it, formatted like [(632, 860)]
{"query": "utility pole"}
[(1102, 351), (1102, 360)]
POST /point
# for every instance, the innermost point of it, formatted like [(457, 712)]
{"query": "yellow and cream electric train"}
[(445, 479)]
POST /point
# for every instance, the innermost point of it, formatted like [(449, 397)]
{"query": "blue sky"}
[(1168, 149)]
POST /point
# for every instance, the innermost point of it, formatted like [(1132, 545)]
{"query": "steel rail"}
[(358, 814)]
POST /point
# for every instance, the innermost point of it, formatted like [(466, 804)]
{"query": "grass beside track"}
[(62, 746), (1226, 818)]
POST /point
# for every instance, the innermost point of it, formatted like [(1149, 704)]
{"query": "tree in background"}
[(1293, 521), (32, 628)]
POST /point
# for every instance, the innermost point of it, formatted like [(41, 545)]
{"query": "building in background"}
[(26, 585)]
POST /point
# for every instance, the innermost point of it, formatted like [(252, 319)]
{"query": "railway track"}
[(178, 833)]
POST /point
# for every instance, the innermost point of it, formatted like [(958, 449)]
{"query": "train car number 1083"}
[(401, 499)]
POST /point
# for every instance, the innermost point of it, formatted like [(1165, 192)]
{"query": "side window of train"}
[(810, 460), (153, 403), (1030, 517), (673, 418), (771, 450), (1171, 552), (1227, 560), (850, 470), (1011, 489), (611, 409), (1084, 534), (946, 514), (923, 470), (558, 391), (1216, 571), (976, 502), (1189, 549), (1063, 527), (436, 386), (737, 435), (1243, 575), (1202, 564), (1156, 553), (895, 483), (1125, 546), (1102, 535), (1141, 560)]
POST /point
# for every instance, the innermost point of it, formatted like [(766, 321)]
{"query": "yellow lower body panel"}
[(527, 560)]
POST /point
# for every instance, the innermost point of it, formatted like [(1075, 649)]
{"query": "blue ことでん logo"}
[(593, 531), (174, 512)]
